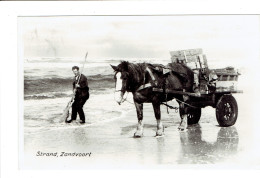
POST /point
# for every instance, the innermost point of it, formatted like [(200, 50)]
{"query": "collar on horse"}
[(150, 84)]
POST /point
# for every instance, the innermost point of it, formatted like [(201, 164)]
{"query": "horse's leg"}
[(139, 111), (157, 113), (184, 122)]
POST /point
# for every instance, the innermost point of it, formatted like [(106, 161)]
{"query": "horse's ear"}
[(114, 67), (124, 65)]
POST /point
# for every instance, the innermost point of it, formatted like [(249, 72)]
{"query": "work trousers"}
[(77, 107)]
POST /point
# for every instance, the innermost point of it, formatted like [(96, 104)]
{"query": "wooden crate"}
[(227, 79), (190, 57), (187, 52)]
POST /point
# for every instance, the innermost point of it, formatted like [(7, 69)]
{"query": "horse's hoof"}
[(159, 134), (138, 135)]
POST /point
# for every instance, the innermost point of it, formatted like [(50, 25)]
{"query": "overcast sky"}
[(225, 37)]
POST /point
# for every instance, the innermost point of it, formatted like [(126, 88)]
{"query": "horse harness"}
[(155, 83), (150, 84)]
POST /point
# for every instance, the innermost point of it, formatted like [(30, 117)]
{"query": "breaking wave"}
[(52, 87)]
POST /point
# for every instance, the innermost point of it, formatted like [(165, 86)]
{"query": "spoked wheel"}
[(226, 111), (193, 115)]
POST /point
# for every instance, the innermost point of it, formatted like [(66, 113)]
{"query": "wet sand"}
[(112, 144)]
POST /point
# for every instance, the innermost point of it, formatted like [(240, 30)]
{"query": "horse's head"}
[(121, 81)]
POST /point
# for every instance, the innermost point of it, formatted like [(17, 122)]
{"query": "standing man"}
[(81, 90)]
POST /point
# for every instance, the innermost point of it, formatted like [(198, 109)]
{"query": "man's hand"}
[(77, 85)]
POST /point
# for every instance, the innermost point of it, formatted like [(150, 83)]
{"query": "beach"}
[(106, 139), (111, 143)]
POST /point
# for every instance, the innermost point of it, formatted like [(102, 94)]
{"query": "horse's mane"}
[(135, 71)]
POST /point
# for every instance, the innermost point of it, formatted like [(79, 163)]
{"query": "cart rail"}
[(193, 94)]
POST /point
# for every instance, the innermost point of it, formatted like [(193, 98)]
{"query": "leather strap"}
[(147, 85)]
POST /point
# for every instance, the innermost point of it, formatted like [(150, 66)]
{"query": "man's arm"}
[(74, 85)]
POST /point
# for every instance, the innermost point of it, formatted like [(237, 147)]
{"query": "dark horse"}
[(140, 79)]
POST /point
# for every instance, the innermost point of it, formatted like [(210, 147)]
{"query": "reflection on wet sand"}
[(195, 150), (160, 150), (200, 144)]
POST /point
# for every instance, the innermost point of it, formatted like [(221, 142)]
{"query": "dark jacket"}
[(83, 90)]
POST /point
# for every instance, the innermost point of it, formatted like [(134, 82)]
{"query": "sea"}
[(48, 89)]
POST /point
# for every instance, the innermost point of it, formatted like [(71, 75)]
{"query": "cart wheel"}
[(193, 115), (226, 111)]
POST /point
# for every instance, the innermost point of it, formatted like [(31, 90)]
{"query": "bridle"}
[(123, 89)]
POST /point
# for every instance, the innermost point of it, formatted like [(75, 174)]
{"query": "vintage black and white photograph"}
[(134, 91)]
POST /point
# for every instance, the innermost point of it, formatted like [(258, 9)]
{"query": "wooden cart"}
[(216, 87)]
